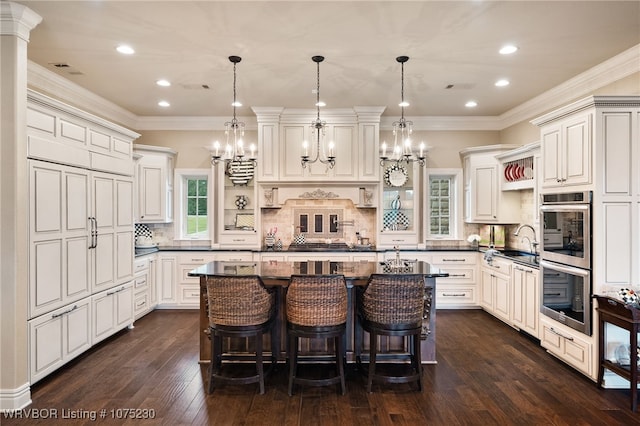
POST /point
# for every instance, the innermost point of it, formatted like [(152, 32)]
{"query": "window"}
[(192, 201), (444, 204)]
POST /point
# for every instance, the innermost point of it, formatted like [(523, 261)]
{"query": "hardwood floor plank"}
[(487, 374)]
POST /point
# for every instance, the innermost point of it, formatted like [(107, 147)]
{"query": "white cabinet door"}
[(525, 303), (167, 279), (113, 213), (59, 255), (59, 336), (155, 184), (566, 152), (485, 179), (112, 311)]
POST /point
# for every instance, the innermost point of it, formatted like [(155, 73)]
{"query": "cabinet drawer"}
[(454, 296), (566, 345), (197, 258), (235, 256), (140, 265), (458, 275), (499, 265), (190, 295), (140, 283), (454, 259), (238, 241), (140, 303), (393, 239)]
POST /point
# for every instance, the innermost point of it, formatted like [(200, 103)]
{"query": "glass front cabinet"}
[(400, 213), (236, 205)]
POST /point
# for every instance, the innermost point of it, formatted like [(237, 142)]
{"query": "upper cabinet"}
[(484, 200), (400, 212), (566, 153), (236, 205), (155, 184), (354, 133)]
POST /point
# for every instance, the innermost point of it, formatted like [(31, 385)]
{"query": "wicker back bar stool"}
[(240, 307), (392, 305), (316, 307)]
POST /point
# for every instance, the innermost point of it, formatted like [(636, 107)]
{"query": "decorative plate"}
[(395, 175), (395, 220)]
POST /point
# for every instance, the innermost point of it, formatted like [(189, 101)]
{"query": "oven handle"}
[(564, 207), (563, 268)]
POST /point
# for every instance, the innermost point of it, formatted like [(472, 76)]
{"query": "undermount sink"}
[(521, 256)]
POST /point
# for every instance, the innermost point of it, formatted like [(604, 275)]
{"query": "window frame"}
[(456, 225), (180, 204)]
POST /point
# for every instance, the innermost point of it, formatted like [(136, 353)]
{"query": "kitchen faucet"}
[(533, 245)]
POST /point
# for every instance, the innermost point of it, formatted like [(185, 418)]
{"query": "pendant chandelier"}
[(402, 151), (234, 154), (319, 128)]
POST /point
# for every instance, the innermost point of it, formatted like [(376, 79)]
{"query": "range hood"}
[(362, 195)]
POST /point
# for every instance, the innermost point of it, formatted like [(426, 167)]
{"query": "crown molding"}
[(47, 82), (607, 72), (584, 84), (17, 20)]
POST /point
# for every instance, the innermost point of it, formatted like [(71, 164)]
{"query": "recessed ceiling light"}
[(508, 49), (163, 83), (125, 50), (236, 104), (502, 83), (471, 104), (164, 104), (403, 104), (321, 104)]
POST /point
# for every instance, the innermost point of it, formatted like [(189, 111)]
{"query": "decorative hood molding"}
[(275, 196)]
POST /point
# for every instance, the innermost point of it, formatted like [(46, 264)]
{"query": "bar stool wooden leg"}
[(293, 361), (340, 362), (373, 350), (259, 365)]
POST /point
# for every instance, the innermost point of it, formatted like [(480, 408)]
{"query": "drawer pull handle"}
[(561, 335), (141, 303), (457, 275), (197, 260), (454, 260), (552, 294), (65, 312), (454, 294), (116, 291)]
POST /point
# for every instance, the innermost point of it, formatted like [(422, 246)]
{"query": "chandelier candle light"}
[(319, 127), (234, 154), (402, 129)]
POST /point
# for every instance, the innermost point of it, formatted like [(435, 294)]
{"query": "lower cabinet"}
[(525, 299), (458, 290), (567, 344), (57, 337), (144, 286), (112, 311), (495, 283)]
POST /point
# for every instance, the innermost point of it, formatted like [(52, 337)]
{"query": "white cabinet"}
[(566, 151), (237, 207), (144, 285), (525, 299), (155, 184), (112, 310), (355, 133), (459, 289), (495, 283), (400, 213), (80, 230), (484, 200), (81, 233), (569, 345), (57, 337), (177, 288)]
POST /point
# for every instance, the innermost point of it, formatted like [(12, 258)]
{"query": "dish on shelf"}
[(395, 220), (147, 246), (395, 175), (528, 172)]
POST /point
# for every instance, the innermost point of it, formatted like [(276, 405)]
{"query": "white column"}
[(16, 22)]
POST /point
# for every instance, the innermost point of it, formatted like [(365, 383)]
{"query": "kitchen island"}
[(277, 274)]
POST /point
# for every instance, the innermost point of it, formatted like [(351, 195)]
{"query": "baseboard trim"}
[(15, 399)]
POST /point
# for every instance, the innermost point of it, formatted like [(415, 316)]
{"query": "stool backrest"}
[(317, 300), (394, 299), (239, 301)]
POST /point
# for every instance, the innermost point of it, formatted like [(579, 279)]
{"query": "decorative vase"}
[(241, 202), (298, 239), (269, 240), (278, 245), (396, 204)]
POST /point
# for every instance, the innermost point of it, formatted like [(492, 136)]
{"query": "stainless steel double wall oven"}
[(565, 253)]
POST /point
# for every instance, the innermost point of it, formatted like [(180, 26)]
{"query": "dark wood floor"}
[(487, 374)]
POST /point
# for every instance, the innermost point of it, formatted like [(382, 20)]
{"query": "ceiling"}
[(449, 43)]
